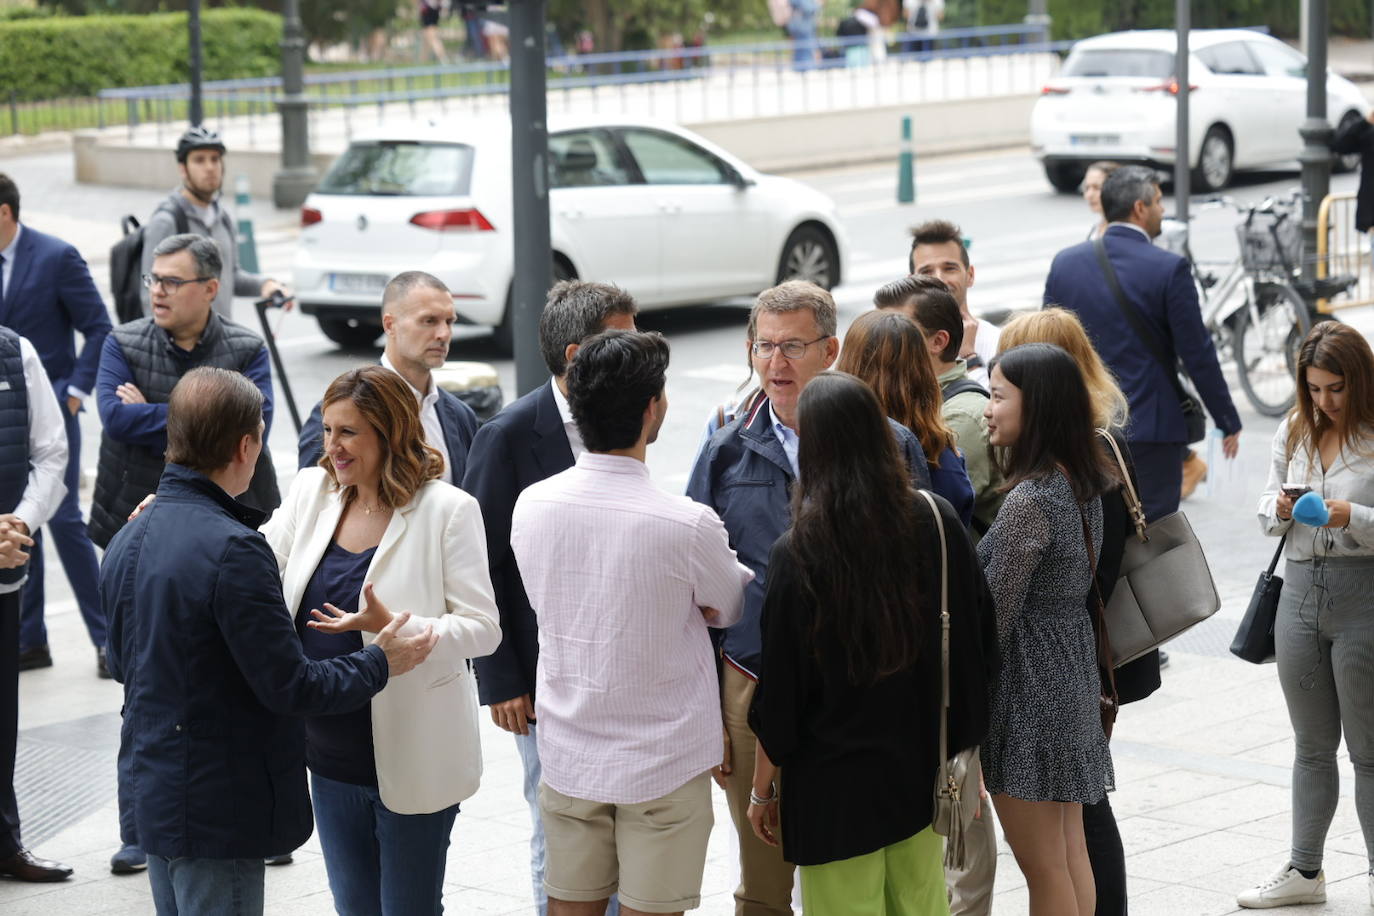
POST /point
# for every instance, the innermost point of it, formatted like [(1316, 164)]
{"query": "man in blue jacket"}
[(1158, 286), (417, 317), (46, 295), (745, 472), (214, 675)]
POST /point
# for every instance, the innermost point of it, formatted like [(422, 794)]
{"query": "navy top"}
[(337, 747)]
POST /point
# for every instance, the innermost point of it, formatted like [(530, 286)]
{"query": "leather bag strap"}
[(944, 637), (1104, 644), (1134, 319), (1128, 492)]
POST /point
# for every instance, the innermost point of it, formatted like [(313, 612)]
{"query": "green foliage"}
[(1072, 19), (54, 57), (15, 13)]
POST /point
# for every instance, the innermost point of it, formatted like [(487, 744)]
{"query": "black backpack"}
[(126, 263), (959, 386)]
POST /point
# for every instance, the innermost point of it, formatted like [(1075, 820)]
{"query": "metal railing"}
[(722, 70), (1342, 249)]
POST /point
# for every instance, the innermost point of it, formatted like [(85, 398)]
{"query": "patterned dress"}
[(1045, 740)]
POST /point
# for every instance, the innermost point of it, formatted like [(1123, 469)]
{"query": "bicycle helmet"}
[(198, 137)]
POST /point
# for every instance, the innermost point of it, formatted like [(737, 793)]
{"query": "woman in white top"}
[(1324, 633), (386, 781), (1091, 189)]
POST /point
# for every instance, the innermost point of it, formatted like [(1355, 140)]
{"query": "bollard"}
[(906, 166), (248, 247)]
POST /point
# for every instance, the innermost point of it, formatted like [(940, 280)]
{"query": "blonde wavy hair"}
[(1054, 325)]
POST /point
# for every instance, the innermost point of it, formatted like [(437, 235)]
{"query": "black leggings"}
[(1107, 857)]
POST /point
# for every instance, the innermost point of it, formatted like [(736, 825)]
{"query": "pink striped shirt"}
[(617, 572)]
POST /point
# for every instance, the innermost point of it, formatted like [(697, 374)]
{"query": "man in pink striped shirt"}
[(624, 579)]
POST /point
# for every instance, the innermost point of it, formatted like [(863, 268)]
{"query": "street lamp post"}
[(197, 112), (1182, 143), (1038, 15), (296, 177), (530, 199), (1316, 133)]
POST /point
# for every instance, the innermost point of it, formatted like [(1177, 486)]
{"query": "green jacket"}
[(963, 414)]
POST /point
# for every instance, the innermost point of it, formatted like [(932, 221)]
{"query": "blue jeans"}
[(529, 756), (206, 887), (380, 863)]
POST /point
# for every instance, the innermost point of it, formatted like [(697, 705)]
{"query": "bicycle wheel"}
[(1268, 334)]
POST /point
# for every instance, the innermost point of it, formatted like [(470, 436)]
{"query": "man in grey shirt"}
[(200, 160)]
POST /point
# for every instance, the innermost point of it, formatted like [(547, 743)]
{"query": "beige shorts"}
[(653, 853)]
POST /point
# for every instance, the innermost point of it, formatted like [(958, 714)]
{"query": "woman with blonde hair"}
[(1062, 328), (375, 514)]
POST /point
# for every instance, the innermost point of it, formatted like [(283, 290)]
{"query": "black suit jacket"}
[(521, 445), (456, 419)]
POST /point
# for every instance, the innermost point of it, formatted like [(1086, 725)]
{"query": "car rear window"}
[(400, 168), (1120, 62)]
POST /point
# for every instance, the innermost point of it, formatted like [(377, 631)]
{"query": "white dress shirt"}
[(429, 417), (617, 571), (47, 449), (569, 424), (1350, 477)]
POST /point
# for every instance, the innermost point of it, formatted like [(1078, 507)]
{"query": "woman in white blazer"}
[(373, 521)]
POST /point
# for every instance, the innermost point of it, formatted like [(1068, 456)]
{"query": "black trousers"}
[(1107, 856), (9, 721)]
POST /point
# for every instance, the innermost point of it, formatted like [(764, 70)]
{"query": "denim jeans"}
[(380, 863), (206, 887), (529, 756)]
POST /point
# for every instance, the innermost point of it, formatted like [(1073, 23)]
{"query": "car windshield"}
[(1120, 62), (400, 168)]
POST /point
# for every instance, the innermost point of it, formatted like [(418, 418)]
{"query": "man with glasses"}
[(140, 365), (745, 472)]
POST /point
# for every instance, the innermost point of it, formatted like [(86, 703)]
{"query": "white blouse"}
[(1350, 477)]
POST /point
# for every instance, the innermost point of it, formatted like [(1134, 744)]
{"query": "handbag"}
[(1165, 585), (1108, 700), (956, 781), (1194, 418), (1254, 640)]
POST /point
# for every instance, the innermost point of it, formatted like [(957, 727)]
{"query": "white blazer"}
[(432, 561)]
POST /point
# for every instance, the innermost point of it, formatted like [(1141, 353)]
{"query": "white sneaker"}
[(1287, 888)]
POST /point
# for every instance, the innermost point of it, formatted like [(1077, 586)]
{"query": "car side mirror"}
[(738, 179)]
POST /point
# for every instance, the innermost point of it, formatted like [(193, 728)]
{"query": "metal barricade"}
[(1342, 249)]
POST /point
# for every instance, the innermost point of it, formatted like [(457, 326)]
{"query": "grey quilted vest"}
[(14, 434)]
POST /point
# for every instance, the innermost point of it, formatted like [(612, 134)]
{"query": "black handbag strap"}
[(1273, 564), (1134, 319)]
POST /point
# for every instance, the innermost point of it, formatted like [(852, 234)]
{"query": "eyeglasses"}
[(170, 284), (792, 349)]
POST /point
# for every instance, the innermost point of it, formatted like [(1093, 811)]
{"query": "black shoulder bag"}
[(1254, 640), (1193, 416)]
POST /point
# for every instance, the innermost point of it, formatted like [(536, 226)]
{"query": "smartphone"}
[(1295, 490)]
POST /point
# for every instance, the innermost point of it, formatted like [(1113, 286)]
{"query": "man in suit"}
[(1159, 286), (533, 438), (46, 293), (418, 317)]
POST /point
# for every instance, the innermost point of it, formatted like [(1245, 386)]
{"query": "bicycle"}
[(1259, 308)]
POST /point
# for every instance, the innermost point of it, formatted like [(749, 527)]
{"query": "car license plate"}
[(1094, 139), (357, 283)]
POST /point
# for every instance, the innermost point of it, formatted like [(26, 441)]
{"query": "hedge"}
[(62, 56), (1082, 18)]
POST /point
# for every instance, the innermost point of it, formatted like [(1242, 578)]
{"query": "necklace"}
[(370, 510)]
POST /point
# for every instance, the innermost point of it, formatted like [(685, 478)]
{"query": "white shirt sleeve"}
[(47, 445)]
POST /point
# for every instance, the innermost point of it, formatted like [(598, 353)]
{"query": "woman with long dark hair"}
[(848, 700), (1323, 635), (1046, 752), (887, 350)]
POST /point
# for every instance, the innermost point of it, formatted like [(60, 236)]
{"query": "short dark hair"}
[(930, 303), (406, 282), (9, 195), (204, 252), (575, 310), (936, 232), (611, 381), (1123, 188), (208, 414)]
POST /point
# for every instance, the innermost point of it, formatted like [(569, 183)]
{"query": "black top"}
[(859, 763), (337, 747)]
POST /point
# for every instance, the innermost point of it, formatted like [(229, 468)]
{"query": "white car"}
[(648, 206), (1116, 98)]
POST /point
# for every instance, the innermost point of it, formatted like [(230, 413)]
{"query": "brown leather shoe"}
[(35, 657), (25, 866), (1194, 473)]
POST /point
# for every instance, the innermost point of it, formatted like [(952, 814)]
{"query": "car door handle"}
[(570, 214)]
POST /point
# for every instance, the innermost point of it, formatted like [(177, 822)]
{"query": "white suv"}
[(648, 206), (1116, 98)]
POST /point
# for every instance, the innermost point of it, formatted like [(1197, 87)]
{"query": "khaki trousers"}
[(765, 885), (970, 890)]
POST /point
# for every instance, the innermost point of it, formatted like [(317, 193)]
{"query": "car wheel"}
[(1344, 164), (809, 255), (350, 333), (503, 335), (1065, 177), (1216, 162)]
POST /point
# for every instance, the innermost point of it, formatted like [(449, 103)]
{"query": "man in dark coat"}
[(214, 675)]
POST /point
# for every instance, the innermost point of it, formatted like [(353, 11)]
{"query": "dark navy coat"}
[(1160, 286), (214, 678)]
